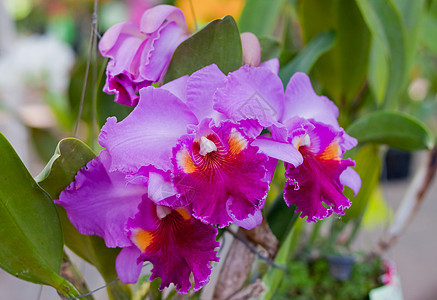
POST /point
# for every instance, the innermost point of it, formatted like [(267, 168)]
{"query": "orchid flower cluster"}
[(199, 153)]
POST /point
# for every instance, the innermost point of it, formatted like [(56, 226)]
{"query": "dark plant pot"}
[(340, 267), (397, 164)]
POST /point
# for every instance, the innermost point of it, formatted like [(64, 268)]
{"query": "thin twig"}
[(39, 292), (253, 250), (194, 15), (92, 292), (94, 126), (88, 63)]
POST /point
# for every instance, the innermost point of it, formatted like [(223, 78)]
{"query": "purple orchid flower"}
[(140, 55), (304, 133), (117, 208), (213, 165), (312, 128), (171, 166)]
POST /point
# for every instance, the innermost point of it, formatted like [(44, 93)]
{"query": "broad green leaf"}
[(306, 58), (342, 70), (395, 129), (273, 277), (429, 33), (217, 43), (384, 21), (70, 156), (260, 16), (368, 166), (30, 231)]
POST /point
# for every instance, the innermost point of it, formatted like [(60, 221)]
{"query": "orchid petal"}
[(250, 222), (201, 87), (282, 151), (153, 18), (271, 64), (147, 135), (251, 93), (350, 178), (302, 101), (128, 270), (158, 50), (177, 87), (100, 202)]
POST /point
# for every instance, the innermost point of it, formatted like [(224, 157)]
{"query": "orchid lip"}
[(206, 146)]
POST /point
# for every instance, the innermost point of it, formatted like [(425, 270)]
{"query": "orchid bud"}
[(251, 49)]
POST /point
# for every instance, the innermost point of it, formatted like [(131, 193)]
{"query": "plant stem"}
[(70, 272)]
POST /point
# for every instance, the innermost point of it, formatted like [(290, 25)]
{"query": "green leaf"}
[(368, 166), (395, 129), (273, 277), (378, 71), (217, 43), (281, 218), (270, 48), (412, 15), (306, 58), (378, 212), (342, 71), (428, 33), (30, 231), (385, 22), (43, 141), (256, 10), (106, 106), (70, 156)]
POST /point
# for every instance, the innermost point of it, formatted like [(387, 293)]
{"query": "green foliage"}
[(368, 166), (274, 276), (95, 99), (30, 230), (412, 15), (70, 156), (342, 70), (305, 59), (395, 129), (385, 22), (312, 280), (270, 48), (260, 16), (43, 141), (429, 32), (217, 43)]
